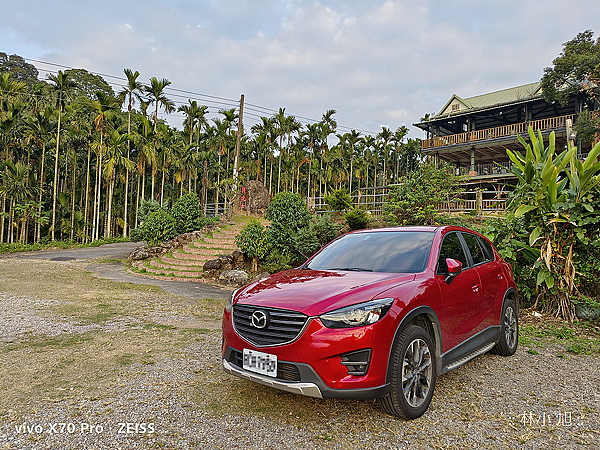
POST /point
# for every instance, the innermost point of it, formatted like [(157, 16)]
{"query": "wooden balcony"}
[(498, 132)]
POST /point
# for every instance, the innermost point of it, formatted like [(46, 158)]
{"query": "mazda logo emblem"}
[(260, 319)]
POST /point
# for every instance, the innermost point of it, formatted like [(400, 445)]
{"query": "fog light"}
[(357, 362)]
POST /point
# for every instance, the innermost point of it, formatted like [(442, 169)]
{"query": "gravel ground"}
[(90, 363)]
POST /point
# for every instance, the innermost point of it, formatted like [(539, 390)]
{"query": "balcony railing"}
[(491, 133)]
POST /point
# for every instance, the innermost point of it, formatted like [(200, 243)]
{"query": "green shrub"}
[(187, 213), (253, 240), (159, 226), (147, 207), (320, 231), (357, 219), (288, 213), (276, 262), (338, 200), (415, 201)]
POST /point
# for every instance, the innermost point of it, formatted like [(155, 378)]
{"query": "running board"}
[(467, 358)]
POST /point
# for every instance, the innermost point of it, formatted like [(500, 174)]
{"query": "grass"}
[(580, 338), (53, 245)]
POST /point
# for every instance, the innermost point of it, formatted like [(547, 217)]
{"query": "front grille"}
[(285, 371), (282, 326)]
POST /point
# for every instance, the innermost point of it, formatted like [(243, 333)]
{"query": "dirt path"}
[(86, 362), (115, 271)]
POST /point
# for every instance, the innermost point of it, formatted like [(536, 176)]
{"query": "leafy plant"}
[(159, 226), (320, 231), (187, 213), (147, 207), (554, 202), (338, 200), (357, 219), (415, 201), (288, 214), (253, 240), (276, 262)]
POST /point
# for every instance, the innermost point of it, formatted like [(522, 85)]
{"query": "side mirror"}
[(454, 268)]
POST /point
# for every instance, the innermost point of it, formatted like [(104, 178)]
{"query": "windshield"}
[(381, 251)]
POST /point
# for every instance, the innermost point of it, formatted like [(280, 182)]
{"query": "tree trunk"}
[(39, 225), (56, 174), (126, 198), (73, 195), (204, 185), (111, 188), (87, 194)]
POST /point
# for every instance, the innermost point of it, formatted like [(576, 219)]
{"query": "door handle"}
[(476, 288)]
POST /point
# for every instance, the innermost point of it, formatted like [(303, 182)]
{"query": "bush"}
[(288, 213), (357, 219), (338, 200), (187, 213), (159, 226), (276, 262), (253, 240), (147, 207), (320, 231), (415, 201)]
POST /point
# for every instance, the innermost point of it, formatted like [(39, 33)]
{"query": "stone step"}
[(181, 261), (177, 273), (209, 253), (160, 265), (218, 241), (190, 256), (213, 246)]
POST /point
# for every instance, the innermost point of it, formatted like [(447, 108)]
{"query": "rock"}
[(212, 264), (254, 197), (138, 254), (234, 278), (237, 257)]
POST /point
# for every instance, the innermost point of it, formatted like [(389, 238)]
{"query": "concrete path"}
[(115, 271)]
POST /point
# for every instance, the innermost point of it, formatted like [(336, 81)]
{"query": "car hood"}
[(314, 292)]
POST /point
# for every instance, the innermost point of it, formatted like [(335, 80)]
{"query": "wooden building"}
[(473, 133)]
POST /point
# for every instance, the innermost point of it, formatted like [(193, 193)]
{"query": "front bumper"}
[(311, 385), (307, 389)]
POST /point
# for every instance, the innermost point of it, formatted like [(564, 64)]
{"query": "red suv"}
[(377, 313)]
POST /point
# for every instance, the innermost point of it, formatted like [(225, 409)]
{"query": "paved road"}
[(115, 271)]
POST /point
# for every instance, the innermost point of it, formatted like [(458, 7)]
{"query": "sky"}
[(377, 63)]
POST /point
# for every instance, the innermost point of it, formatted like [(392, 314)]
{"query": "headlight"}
[(357, 315), (229, 303)]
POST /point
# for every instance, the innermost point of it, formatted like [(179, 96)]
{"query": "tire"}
[(509, 330), (414, 355)]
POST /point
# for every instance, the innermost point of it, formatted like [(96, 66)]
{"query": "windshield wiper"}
[(355, 269)]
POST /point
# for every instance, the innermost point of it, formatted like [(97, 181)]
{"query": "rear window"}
[(385, 251)]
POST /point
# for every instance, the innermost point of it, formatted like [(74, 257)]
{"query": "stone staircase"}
[(186, 264)]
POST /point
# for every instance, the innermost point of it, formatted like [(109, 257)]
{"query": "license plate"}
[(259, 362)]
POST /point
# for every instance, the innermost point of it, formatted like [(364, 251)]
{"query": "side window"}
[(476, 250), (487, 248), (451, 248)]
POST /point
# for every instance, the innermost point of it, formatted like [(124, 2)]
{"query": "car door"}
[(492, 277), (461, 298)]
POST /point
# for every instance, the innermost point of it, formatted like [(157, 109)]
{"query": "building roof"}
[(509, 95), (493, 99)]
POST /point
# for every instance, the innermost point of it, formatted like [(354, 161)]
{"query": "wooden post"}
[(236, 160), (479, 202)]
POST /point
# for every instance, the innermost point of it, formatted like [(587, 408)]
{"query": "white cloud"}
[(379, 62)]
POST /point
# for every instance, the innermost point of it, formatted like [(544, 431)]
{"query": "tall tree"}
[(62, 86), (156, 95), (102, 108), (576, 69), (130, 94)]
